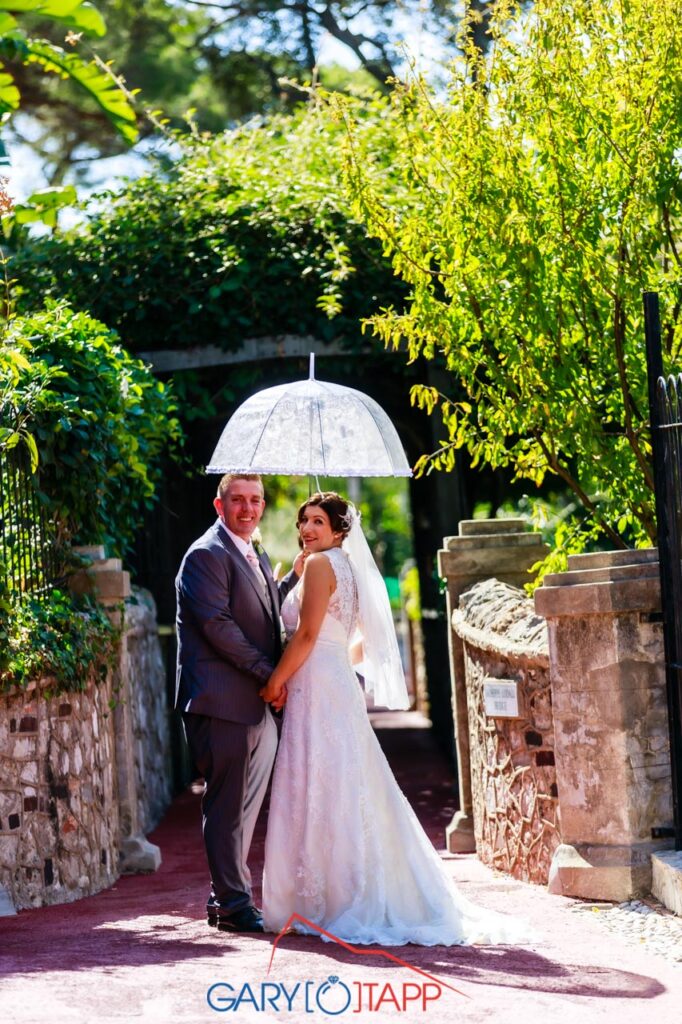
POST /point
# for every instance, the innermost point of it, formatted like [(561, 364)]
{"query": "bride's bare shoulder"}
[(317, 562), (318, 570)]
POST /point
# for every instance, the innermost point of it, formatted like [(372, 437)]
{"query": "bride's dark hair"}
[(334, 505)]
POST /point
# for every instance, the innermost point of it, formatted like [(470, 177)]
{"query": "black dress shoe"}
[(248, 919)]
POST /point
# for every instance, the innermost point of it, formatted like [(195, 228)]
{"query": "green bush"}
[(247, 234), (98, 420), (69, 639)]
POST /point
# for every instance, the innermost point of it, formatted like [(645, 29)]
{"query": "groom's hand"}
[(299, 562)]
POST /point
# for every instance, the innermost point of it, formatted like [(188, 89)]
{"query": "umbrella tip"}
[(311, 374)]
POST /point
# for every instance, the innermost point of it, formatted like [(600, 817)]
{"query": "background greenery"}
[(527, 213), (247, 234), (69, 640), (94, 423), (221, 63), (504, 229), (97, 419)]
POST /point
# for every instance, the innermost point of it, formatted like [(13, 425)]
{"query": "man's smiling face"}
[(241, 507)]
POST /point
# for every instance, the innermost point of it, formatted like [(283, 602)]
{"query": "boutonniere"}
[(257, 542)]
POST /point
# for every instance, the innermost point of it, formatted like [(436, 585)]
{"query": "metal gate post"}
[(668, 500)]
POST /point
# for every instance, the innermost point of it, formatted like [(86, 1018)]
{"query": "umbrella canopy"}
[(310, 427)]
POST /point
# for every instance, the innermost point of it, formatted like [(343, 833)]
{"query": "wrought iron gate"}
[(665, 410)]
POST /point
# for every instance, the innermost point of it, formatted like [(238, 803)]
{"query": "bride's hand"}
[(279, 703), (272, 693)]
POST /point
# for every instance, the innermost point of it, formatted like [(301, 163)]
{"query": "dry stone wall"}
[(58, 801), (513, 775), (149, 705), (81, 782)]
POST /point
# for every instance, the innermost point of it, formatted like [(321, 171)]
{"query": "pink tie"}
[(252, 559)]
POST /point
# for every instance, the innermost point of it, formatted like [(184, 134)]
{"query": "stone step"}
[(95, 552), (106, 565), (495, 540), (483, 562), (666, 880), (605, 559), (106, 585), (484, 527), (607, 574)]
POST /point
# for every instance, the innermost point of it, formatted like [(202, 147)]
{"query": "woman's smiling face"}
[(315, 530)]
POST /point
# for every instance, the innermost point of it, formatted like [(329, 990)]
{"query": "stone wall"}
[(513, 777), (58, 801), (82, 782), (146, 695), (611, 722), (483, 548)]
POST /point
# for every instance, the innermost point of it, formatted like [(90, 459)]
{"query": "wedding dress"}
[(344, 848)]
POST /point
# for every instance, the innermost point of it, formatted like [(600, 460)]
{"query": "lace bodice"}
[(343, 604)]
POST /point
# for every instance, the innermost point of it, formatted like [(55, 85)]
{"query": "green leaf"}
[(73, 13), (103, 89), (42, 206), (7, 23), (33, 451), (9, 94)]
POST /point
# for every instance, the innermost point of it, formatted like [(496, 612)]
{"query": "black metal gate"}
[(28, 554), (665, 410)]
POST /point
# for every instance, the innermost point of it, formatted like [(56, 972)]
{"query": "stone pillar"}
[(484, 548), (106, 580), (610, 719)]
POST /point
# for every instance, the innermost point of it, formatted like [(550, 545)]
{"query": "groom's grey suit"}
[(228, 644)]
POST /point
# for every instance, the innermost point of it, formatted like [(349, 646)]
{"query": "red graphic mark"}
[(359, 952)]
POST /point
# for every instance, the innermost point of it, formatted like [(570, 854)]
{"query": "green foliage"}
[(527, 213), (69, 639), (69, 13), (565, 526), (219, 64), (99, 420), (42, 207), (247, 235), (409, 588), (93, 78)]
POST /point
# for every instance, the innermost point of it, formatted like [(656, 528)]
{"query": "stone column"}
[(610, 719), (106, 580), (484, 548)]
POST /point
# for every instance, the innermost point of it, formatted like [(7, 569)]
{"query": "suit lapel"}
[(272, 586), (245, 569)]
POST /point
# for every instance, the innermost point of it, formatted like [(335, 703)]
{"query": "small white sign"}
[(501, 698)]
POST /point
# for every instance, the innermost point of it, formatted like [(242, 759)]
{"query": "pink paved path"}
[(141, 951)]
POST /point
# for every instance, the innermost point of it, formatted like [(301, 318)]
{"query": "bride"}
[(344, 850)]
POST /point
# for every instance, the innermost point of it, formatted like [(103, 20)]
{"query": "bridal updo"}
[(336, 507)]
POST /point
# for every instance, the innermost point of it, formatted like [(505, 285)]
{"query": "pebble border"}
[(645, 923)]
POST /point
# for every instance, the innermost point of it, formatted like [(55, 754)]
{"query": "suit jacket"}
[(228, 631)]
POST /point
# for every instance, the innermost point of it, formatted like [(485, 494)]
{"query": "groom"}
[(229, 641)]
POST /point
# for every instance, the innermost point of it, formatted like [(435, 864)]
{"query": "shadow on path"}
[(158, 920)]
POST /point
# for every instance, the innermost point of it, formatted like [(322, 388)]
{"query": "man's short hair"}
[(229, 477)]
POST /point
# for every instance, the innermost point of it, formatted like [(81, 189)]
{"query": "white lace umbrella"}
[(310, 428)]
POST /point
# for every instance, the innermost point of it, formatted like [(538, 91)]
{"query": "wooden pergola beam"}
[(251, 350)]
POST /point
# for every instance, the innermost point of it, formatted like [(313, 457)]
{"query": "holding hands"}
[(274, 693)]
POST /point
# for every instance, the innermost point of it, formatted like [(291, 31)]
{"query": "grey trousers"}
[(236, 761)]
